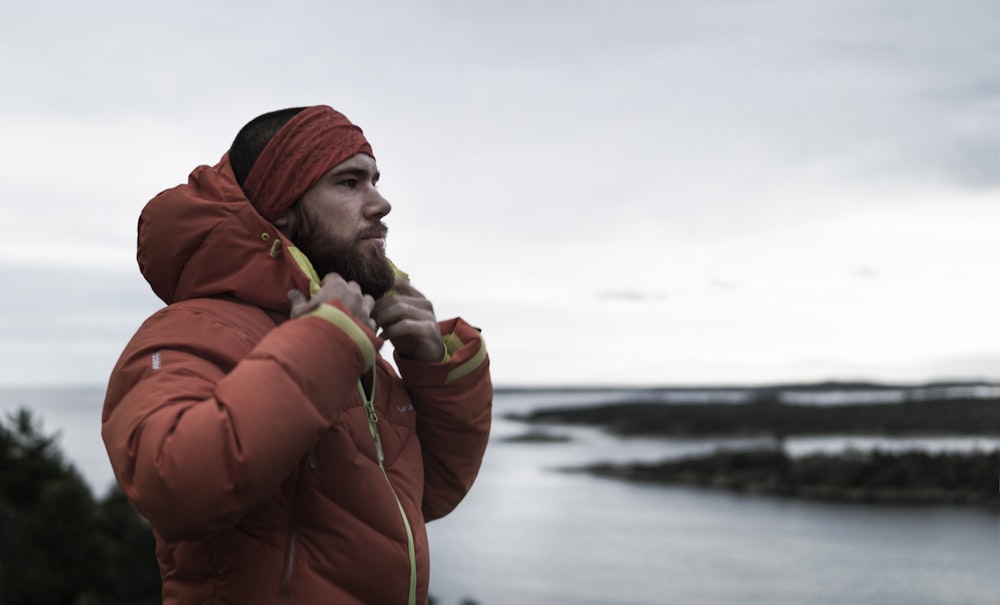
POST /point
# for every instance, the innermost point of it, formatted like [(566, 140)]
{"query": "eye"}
[(349, 183)]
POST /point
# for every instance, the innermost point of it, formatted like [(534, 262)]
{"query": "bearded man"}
[(278, 457)]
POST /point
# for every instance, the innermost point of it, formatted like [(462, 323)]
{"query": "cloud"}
[(546, 162), (865, 272), (631, 296)]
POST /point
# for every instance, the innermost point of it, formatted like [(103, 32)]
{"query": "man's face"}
[(337, 224)]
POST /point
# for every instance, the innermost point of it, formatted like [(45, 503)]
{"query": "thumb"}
[(299, 301)]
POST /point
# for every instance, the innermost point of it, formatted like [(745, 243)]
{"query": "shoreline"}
[(877, 477), (770, 418)]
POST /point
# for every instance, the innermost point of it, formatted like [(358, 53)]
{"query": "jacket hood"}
[(204, 239)]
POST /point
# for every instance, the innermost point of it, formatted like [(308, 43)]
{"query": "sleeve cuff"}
[(362, 337)]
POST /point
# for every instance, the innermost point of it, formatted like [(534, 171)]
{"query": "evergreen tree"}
[(59, 546)]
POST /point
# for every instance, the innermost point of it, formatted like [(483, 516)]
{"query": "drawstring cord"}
[(275, 246)]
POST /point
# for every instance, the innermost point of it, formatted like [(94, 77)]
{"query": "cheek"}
[(337, 230)]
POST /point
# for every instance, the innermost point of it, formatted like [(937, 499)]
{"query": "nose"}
[(376, 206)]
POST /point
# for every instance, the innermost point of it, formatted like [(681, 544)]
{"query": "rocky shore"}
[(911, 477)]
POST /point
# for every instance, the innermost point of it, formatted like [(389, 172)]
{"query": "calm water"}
[(529, 534)]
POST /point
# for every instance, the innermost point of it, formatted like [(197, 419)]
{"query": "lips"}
[(378, 233)]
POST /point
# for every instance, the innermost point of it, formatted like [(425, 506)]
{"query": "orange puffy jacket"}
[(268, 473)]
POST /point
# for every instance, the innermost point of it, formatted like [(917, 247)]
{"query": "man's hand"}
[(335, 287), (407, 320)]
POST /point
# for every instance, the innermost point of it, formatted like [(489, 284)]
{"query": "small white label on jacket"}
[(156, 360)]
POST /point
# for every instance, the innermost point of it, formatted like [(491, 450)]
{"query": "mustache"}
[(379, 230)]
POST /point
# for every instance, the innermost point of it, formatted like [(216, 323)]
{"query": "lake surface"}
[(528, 533)]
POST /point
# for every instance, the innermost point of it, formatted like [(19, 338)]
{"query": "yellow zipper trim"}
[(410, 547)]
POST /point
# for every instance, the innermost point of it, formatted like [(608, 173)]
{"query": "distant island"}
[(536, 436), (852, 476), (769, 417), (868, 477)]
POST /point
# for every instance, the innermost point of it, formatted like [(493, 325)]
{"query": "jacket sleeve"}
[(454, 401), (205, 418)]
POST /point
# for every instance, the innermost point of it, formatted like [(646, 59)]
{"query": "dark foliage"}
[(58, 545)]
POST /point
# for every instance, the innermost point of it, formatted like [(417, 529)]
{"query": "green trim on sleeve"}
[(469, 366), (340, 319), (452, 343)]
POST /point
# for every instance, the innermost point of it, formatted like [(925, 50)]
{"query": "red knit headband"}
[(309, 145)]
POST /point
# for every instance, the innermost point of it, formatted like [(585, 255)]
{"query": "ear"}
[(286, 223)]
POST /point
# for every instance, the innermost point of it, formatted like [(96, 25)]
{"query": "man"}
[(278, 457)]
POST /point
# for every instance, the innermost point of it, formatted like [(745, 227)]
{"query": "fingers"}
[(418, 339), (408, 321), (333, 287), (388, 311), (367, 304), (332, 279), (300, 304)]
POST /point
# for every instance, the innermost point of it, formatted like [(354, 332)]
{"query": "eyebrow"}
[(356, 172)]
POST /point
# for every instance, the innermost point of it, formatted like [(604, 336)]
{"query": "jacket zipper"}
[(285, 588), (291, 544), (369, 402)]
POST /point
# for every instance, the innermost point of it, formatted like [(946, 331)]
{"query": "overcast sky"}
[(618, 192)]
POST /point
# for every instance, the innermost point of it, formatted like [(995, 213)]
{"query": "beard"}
[(331, 254)]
